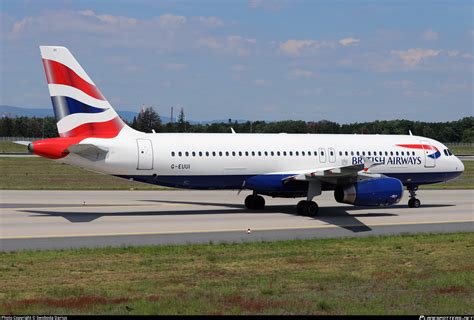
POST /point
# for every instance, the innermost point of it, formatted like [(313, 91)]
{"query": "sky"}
[(344, 61)]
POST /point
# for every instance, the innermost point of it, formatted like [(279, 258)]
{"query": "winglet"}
[(232, 130)]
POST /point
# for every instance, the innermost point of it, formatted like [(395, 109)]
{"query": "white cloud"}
[(302, 73), (261, 82), (230, 44), (297, 47), (209, 42), (171, 21), (454, 53), (414, 56), (211, 22), (430, 35), (348, 41)]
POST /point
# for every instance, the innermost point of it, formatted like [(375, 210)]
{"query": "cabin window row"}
[(375, 153), (287, 153)]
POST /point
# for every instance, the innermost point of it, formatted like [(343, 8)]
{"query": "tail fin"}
[(79, 106)]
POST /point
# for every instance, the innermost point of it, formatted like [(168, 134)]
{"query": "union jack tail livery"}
[(80, 108)]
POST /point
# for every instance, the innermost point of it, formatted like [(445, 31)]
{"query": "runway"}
[(72, 219)]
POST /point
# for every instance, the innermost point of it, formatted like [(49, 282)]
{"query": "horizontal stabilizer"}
[(23, 143), (89, 151)]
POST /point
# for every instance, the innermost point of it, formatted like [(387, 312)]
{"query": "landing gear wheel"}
[(312, 209), (307, 208), (255, 202), (414, 203), (301, 207)]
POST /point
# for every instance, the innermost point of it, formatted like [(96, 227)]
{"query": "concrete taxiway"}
[(65, 219)]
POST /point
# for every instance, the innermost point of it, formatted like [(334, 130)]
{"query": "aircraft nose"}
[(459, 165)]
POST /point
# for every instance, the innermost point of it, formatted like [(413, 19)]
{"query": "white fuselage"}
[(219, 161)]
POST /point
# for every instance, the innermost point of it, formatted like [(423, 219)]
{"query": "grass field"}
[(422, 274), (8, 147), (43, 174), (465, 151), (38, 173)]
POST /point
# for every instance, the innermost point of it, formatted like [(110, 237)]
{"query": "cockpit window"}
[(449, 152), (446, 152)]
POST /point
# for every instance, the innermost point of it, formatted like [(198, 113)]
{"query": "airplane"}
[(362, 170)]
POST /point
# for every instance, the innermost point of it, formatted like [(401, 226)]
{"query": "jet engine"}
[(371, 192)]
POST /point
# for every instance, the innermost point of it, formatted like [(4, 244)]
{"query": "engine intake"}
[(372, 192)]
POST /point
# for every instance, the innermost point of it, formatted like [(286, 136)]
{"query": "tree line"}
[(148, 120)]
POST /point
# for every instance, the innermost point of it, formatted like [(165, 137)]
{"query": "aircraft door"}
[(322, 155), (430, 154), (145, 154)]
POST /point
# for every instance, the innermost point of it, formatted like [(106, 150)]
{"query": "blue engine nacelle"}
[(372, 192)]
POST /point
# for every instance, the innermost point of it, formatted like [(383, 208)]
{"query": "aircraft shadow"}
[(338, 215)]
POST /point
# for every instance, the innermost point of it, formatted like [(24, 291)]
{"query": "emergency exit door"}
[(145, 154)]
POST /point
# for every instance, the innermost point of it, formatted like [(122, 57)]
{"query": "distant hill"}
[(11, 111)]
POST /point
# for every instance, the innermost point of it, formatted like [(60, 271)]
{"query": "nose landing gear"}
[(413, 202)]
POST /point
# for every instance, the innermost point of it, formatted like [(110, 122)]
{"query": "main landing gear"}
[(307, 208), (413, 202), (255, 202)]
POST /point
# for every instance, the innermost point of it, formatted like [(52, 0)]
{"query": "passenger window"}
[(302, 153), (368, 153), (227, 153), (346, 153), (180, 154), (265, 153), (315, 153), (358, 153), (172, 153), (396, 153), (240, 153), (352, 153), (246, 153), (253, 153), (260, 153), (220, 153), (207, 153), (272, 153), (322, 153), (391, 153), (213, 153), (291, 153), (363, 153), (278, 153), (194, 154), (296, 153), (200, 153), (233, 153), (380, 153), (340, 153), (284, 153)]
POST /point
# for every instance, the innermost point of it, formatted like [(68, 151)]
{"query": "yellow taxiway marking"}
[(228, 230)]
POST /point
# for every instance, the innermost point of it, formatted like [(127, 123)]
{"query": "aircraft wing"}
[(89, 151), (334, 175)]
